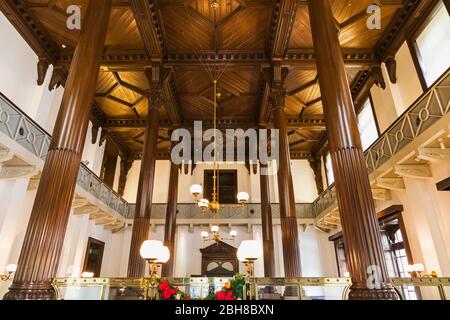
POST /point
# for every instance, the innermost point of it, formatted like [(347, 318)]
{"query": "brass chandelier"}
[(213, 206)]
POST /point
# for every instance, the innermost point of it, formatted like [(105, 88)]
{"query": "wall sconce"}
[(155, 253), (248, 252), (87, 275), (415, 271), (9, 271)]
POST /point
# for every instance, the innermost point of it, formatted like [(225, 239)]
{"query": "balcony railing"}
[(249, 211), (427, 110), (17, 126)]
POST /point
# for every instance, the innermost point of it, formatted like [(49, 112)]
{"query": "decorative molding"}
[(15, 172), (33, 183), (5, 154), (413, 170), (381, 194), (434, 154), (391, 66), (86, 209), (391, 183)]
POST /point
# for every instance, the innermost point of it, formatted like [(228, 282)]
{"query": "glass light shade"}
[(249, 250), (203, 203), (165, 255), (233, 233), (204, 234), (11, 268), (154, 250), (419, 267), (87, 275), (196, 189), (215, 229), (243, 196)]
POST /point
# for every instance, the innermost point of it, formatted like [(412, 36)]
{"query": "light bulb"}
[(87, 275), (204, 234), (249, 250), (233, 233), (215, 229), (243, 197), (11, 268), (154, 250), (196, 189)]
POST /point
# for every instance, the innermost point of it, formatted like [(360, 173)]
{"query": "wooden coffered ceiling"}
[(235, 41)]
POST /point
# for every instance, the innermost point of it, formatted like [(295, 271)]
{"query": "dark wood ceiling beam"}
[(31, 30), (243, 3), (146, 20), (137, 61), (295, 155), (283, 21), (292, 122), (172, 103), (409, 16)]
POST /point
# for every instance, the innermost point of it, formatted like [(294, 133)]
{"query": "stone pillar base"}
[(30, 294), (385, 293)]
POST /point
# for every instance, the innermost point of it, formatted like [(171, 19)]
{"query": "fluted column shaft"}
[(357, 211), (267, 228), (289, 227), (42, 246), (171, 220), (141, 223)]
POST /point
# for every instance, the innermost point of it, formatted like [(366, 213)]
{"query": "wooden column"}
[(171, 219), (267, 228), (109, 170), (42, 246), (141, 223), (289, 227), (316, 165), (125, 166), (356, 206)]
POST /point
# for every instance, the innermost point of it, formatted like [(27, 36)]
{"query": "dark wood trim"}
[(427, 16), (447, 5), (443, 185), (221, 171), (372, 106), (415, 54), (86, 254)]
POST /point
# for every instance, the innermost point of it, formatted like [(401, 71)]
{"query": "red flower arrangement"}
[(167, 292), (225, 295)]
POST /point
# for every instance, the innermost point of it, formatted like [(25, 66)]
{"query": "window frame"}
[(428, 16), (359, 107)]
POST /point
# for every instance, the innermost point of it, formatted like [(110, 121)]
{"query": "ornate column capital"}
[(277, 98), (155, 98)]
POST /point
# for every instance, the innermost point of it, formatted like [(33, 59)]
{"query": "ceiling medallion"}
[(215, 4)]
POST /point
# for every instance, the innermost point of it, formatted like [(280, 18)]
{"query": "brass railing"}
[(307, 288)]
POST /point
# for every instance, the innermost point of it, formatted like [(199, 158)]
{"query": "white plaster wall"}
[(18, 79), (93, 153), (305, 189), (16, 203), (383, 103), (427, 221), (79, 229), (131, 186), (117, 175), (408, 87)]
